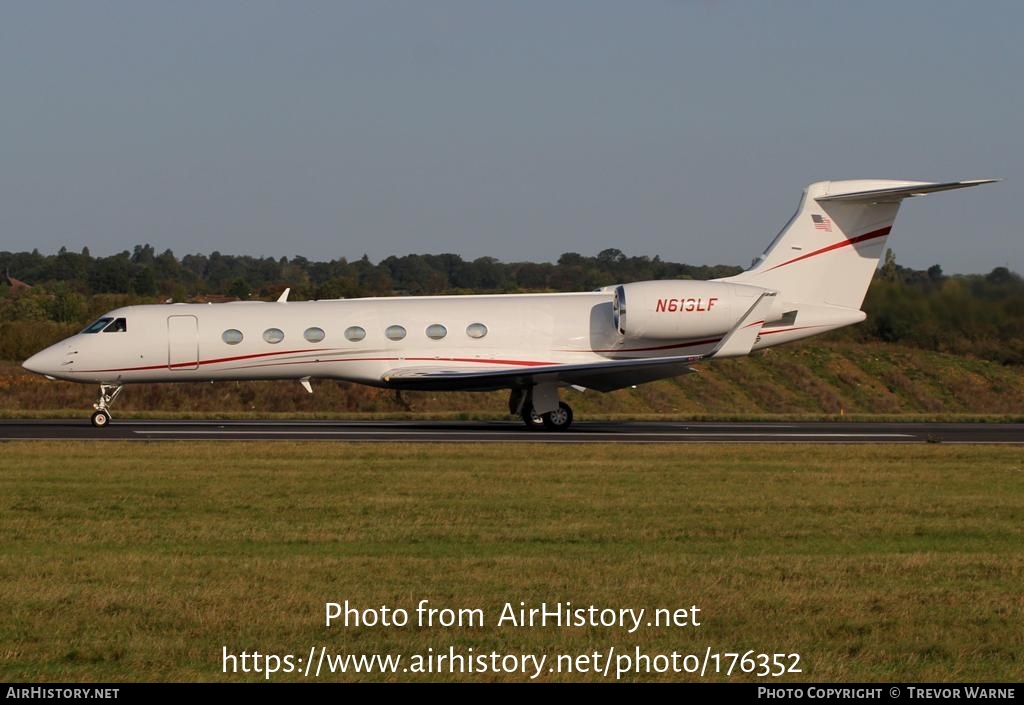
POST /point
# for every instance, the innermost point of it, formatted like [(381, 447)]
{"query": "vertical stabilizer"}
[(829, 250)]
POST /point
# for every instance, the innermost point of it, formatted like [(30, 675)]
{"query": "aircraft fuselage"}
[(240, 340)]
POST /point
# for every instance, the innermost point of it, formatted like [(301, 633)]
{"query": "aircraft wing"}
[(603, 376)]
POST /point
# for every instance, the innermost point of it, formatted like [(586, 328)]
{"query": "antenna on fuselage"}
[(284, 296)]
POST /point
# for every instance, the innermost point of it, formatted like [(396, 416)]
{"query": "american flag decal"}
[(821, 222)]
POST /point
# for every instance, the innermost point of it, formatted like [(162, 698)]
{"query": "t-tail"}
[(828, 252)]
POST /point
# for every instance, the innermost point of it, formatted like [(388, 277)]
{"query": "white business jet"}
[(811, 279)]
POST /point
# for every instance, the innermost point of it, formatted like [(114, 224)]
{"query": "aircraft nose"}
[(46, 362)]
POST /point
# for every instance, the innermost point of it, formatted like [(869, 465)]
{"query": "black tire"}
[(560, 419), (533, 421), (100, 419)]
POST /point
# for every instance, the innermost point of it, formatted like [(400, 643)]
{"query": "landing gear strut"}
[(533, 420), (108, 392), (560, 419), (521, 403)]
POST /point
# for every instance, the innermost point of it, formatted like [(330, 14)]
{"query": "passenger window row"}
[(435, 331)]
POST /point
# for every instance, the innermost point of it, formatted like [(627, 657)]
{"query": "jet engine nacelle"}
[(673, 310)]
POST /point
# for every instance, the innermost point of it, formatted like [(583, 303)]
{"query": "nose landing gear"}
[(108, 392)]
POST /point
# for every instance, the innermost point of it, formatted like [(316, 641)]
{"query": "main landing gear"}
[(108, 392), (557, 419)]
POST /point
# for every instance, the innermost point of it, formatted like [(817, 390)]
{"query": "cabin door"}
[(182, 343)]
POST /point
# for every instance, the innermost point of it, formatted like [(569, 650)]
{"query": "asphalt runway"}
[(513, 432)]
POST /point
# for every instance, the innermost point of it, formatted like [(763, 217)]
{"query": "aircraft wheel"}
[(560, 419), (533, 420), (100, 418)]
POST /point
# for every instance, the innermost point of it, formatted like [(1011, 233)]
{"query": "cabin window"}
[(314, 334), (355, 333), (273, 335), (119, 325), (436, 331), (394, 332), (98, 325), (232, 336), (476, 330)]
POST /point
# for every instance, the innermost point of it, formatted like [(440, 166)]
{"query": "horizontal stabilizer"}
[(744, 334), (899, 192)]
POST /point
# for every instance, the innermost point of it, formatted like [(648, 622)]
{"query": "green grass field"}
[(142, 561)]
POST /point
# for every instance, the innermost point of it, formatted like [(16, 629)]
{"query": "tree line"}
[(144, 273), (44, 297)]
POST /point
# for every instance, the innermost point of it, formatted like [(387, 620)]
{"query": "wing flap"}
[(603, 376)]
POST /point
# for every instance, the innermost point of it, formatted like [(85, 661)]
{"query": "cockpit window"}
[(119, 325), (98, 325)]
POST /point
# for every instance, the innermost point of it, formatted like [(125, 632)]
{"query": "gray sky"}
[(519, 130)]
